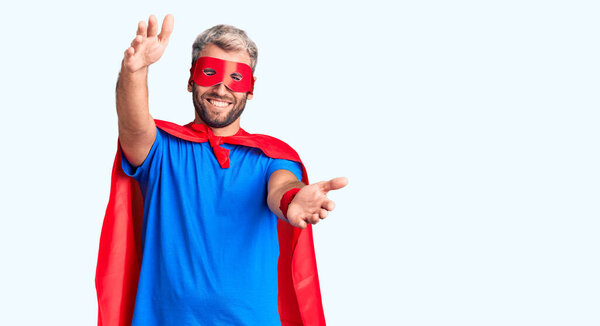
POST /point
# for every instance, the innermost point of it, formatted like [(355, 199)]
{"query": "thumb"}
[(334, 184), (166, 29)]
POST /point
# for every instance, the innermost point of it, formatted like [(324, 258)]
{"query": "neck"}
[(228, 130)]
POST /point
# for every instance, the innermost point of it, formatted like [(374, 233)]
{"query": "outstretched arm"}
[(137, 130), (310, 205)]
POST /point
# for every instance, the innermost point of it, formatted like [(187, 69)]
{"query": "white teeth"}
[(220, 104)]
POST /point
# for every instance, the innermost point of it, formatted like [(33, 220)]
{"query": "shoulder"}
[(272, 141), (177, 131), (272, 147)]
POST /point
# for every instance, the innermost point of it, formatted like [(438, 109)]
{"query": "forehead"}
[(211, 50)]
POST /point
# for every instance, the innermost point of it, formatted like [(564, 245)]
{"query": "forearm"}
[(137, 130), (132, 101)]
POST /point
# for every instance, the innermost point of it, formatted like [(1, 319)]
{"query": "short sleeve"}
[(279, 164), (140, 173)]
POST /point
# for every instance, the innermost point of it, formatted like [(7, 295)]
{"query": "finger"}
[(314, 219), (129, 52), (152, 26), (302, 224), (141, 29), (328, 205), (137, 41), (167, 28), (323, 213), (334, 184)]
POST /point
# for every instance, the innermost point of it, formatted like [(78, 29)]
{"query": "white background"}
[(468, 131)]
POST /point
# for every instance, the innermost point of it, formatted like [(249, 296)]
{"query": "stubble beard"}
[(218, 121)]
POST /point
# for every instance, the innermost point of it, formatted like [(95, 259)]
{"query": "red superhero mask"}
[(209, 71)]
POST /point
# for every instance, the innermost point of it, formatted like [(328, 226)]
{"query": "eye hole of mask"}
[(209, 71), (236, 76)]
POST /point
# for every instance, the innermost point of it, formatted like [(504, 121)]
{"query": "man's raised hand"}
[(311, 203), (148, 47)]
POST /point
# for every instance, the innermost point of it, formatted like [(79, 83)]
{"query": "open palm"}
[(148, 46), (310, 205)]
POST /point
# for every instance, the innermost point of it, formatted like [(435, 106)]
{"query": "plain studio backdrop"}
[(468, 131)]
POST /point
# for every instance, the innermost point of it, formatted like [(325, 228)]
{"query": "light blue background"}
[(468, 131)]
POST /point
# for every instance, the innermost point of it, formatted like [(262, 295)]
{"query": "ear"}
[(250, 96), (189, 87)]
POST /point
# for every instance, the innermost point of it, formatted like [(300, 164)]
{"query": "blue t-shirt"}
[(209, 240)]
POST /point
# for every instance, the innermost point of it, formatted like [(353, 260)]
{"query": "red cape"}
[(120, 255)]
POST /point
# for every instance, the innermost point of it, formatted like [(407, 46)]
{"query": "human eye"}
[(209, 71), (236, 76)]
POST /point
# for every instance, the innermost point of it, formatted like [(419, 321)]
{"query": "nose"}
[(221, 89)]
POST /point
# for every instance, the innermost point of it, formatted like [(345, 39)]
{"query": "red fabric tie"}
[(222, 154)]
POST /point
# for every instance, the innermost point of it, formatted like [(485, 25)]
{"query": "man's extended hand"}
[(311, 203), (148, 47)]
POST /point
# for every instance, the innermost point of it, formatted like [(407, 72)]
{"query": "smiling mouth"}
[(218, 103)]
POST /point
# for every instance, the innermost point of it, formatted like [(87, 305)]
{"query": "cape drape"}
[(120, 254)]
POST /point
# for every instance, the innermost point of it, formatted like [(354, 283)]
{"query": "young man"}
[(224, 236)]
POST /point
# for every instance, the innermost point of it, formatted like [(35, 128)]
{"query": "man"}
[(211, 247)]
